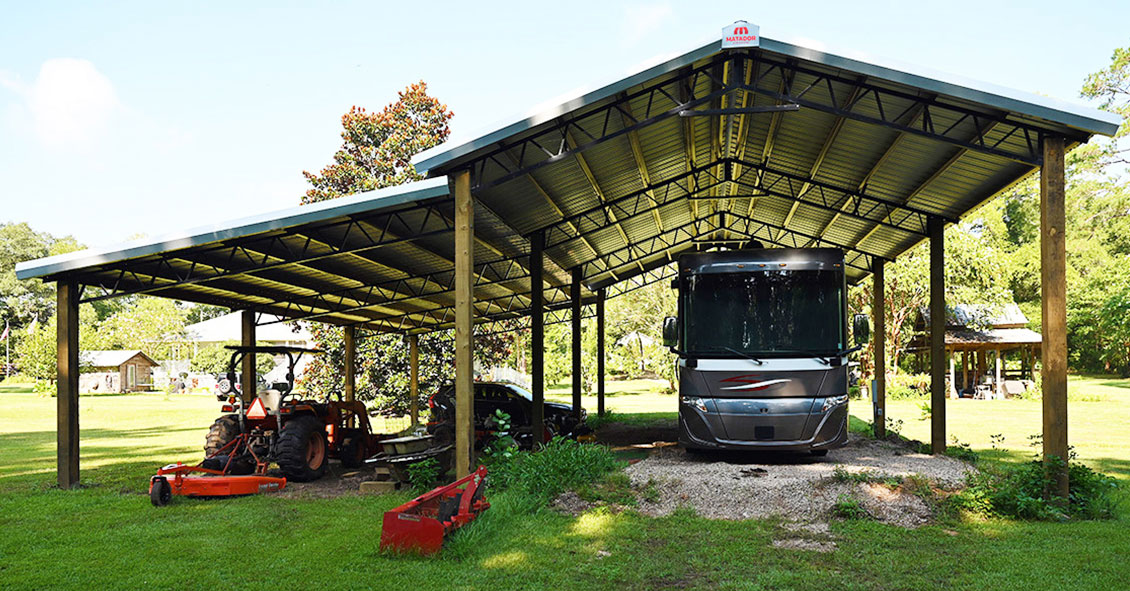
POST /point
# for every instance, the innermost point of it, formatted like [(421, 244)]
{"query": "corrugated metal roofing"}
[(621, 180)]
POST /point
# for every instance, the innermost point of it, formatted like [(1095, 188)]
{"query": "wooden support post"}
[(67, 384), (997, 386), (537, 334), (879, 308), (952, 390), (600, 352), (247, 372), (350, 363), (937, 336), (1053, 291), (414, 378), (464, 323), (965, 370), (575, 297)]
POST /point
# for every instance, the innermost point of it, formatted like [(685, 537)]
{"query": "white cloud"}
[(640, 20), (69, 104)]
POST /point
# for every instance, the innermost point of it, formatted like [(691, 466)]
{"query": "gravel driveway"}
[(797, 487)]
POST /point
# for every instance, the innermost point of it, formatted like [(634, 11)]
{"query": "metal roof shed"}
[(774, 143)]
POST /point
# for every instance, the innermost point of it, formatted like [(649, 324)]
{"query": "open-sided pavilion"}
[(719, 147)]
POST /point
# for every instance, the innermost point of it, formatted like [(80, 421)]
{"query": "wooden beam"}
[(575, 302), (879, 309), (67, 384), (937, 336), (537, 334), (464, 322), (600, 352), (350, 363), (247, 373), (414, 378), (1053, 292)]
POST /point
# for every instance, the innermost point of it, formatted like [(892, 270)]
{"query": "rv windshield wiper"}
[(826, 359), (745, 355)]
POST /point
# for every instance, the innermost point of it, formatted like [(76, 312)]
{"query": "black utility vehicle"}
[(512, 399)]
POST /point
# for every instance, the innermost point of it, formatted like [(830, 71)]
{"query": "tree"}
[(1112, 86), (377, 148), (973, 275), (194, 313), (36, 352), (383, 364), (376, 152), (151, 324), (214, 359), (33, 300)]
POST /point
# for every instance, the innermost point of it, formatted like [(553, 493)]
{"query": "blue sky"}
[(119, 119)]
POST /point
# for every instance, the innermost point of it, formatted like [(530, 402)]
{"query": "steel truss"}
[(757, 178), (260, 257), (786, 81), (552, 316)]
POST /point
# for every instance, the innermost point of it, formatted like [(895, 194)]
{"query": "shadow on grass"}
[(106, 456)]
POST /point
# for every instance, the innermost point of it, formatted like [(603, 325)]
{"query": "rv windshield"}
[(764, 312)]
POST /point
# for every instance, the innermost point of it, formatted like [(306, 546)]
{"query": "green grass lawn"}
[(1098, 423), (107, 536)]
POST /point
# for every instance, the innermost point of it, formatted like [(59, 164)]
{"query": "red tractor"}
[(300, 435)]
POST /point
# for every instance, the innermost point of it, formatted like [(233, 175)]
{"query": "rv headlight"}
[(696, 402), (834, 401)]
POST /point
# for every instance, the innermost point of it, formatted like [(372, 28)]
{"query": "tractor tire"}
[(301, 451), (353, 453), (160, 492), (222, 432)]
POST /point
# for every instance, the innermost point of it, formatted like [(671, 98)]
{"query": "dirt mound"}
[(338, 481)]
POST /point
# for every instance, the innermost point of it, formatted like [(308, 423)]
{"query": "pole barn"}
[(744, 139)]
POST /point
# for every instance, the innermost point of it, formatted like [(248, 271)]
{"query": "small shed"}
[(116, 371)]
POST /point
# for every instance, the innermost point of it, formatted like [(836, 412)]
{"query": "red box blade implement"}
[(421, 524)]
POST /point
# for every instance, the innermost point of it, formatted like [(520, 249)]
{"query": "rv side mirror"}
[(861, 328), (670, 331)]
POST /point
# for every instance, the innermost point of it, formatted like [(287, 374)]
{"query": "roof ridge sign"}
[(741, 34)]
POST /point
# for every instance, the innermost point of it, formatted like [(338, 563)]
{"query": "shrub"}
[(422, 475), (561, 465), (865, 476), (962, 451), (1018, 491), (848, 507), (596, 421), (908, 386), (502, 447)]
